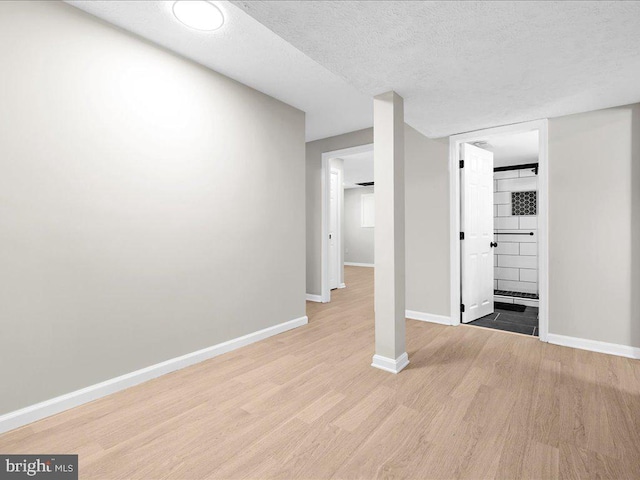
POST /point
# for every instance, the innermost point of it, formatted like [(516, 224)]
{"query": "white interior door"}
[(333, 230), (476, 222)]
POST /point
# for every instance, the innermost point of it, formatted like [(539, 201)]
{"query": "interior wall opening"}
[(515, 239), (348, 215), (502, 218)]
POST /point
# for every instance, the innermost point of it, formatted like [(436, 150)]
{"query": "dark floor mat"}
[(513, 307)]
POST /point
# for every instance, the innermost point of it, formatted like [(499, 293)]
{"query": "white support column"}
[(388, 153)]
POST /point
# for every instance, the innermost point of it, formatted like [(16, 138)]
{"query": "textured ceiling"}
[(250, 53), (467, 65), (513, 149), (358, 168)]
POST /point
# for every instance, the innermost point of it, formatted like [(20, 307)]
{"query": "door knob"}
[(493, 244)]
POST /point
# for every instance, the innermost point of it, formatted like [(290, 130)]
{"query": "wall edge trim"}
[(38, 411), (428, 317), (594, 346), (389, 364)]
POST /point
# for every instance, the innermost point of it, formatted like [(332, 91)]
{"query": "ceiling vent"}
[(365, 184)]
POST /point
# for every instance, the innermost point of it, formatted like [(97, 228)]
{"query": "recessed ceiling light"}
[(198, 14)]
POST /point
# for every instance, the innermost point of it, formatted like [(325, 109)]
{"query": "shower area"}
[(515, 223)]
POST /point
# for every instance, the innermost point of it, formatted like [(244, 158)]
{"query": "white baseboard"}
[(59, 404), (389, 364), (594, 346), (353, 264), (342, 285), (427, 317), (314, 298)]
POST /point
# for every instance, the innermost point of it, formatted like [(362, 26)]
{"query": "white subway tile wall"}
[(504, 210), (516, 256), (514, 286), (523, 184), (528, 222), (506, 174), (527, 173), (505, 237), (527, 275), (517, 261), (502, 198), (502, 273), (507, 248), (506, 223)]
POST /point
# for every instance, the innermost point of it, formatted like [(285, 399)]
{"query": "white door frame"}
[(543, 213), (338, 230), (325, 291)]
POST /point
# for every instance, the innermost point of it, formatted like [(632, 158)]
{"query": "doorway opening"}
[(499, 219), (347, 215)]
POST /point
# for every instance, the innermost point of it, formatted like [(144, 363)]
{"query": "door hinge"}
[(461, 163), (462, 307), (461, 235)]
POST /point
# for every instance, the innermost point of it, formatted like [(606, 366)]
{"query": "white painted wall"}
[(427, 223), (149, 207), (594, 225), (358, 240)]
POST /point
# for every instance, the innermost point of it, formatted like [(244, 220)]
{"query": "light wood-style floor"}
[(473, 403)]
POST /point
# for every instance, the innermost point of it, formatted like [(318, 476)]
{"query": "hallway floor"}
[(306, 404), (525, 322)]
